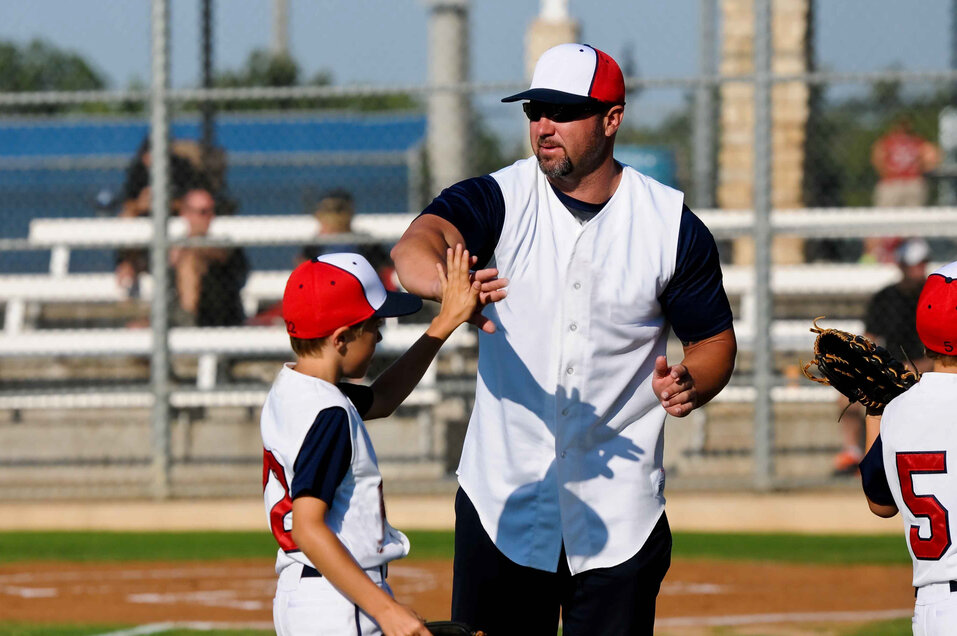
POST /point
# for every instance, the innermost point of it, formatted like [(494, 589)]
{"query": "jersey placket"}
[(572, 413)]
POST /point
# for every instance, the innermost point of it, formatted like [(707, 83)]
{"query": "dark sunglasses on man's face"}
[(560, 112)]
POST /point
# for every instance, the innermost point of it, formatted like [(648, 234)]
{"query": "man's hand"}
[(674, 387), (492, 291)]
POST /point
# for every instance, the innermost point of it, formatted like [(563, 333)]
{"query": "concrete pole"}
[(763, 363), (280, 27), (449, 112), (159, 314), (552, 26)]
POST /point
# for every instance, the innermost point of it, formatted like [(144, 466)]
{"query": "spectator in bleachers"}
[(334, 212), (890, 321), (208, 280), (136, 202), (902, 159)]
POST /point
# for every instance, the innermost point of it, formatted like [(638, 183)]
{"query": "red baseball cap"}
[(575, 74), (937, 311), (338, 290)]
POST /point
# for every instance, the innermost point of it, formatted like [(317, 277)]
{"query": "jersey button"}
[(563, 454), (573, 326), (565, 411), (570, 370), (577, 285)]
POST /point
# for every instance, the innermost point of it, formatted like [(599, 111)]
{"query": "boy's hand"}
[(460, 294), (399, 620)]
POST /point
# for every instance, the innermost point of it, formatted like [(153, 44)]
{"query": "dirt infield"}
[(696, 594)]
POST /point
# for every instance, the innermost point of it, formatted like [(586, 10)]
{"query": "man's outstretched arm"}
[(423, 245)]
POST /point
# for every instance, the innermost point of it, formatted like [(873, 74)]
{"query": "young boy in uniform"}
[(321, 482), (906, 468)]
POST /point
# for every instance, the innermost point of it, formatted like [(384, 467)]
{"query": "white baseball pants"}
[(313, 607)]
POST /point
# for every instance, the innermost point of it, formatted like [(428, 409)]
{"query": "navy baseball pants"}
[(492, 593)]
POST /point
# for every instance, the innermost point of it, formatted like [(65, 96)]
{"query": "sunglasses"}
[(560, 113)]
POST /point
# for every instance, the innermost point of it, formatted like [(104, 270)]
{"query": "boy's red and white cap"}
[(338, 290), (575, 74), (937, 311)]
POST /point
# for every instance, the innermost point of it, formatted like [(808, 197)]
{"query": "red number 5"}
[(908, 464)]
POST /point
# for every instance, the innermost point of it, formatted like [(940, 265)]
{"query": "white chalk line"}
[(199, 626)]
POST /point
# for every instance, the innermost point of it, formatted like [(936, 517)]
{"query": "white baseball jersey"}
[(565, 440), (356, 511), (919, 437)]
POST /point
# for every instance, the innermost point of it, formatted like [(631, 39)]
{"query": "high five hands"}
[(492, 290), (674, 387)]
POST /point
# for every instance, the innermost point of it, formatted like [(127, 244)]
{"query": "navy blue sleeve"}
[(360, 395), (476, 207), (324, 457), (694, 302), (873, 477)]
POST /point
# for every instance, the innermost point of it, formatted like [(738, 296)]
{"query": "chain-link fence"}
[(110, 388)]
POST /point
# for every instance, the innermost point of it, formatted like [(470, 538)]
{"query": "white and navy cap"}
[(338, 290), (575, 74)]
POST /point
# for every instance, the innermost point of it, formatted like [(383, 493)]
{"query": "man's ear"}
[(613, 119)]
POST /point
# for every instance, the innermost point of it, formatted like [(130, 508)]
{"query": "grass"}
[(210, 546), (170, 546), (898, 627), (792, 548)]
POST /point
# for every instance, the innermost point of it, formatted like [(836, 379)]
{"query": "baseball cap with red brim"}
[(338, 290), (574, 74), (937, 311)]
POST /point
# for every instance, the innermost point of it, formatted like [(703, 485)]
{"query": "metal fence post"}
[(763, 367), (159, 316)]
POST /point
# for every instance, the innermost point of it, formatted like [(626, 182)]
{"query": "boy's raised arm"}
[(459, 296)]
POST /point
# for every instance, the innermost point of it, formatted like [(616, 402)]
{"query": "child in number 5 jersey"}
[(911, 466), (321, 483)]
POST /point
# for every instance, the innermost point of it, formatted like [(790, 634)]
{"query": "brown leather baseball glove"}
[(860, 369), (451, 628)]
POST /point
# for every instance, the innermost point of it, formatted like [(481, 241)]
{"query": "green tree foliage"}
[(265, 69), (39, 66)]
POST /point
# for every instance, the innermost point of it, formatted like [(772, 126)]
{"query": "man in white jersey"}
[(321, 483), (560, 507), (909, 467)]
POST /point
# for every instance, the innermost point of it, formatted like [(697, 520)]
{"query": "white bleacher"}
[(209, 344), (17, 291), (267, 286), (60, 235)]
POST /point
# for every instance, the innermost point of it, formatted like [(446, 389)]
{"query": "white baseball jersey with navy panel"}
[(565, 443), (315, 443), (919, 438)]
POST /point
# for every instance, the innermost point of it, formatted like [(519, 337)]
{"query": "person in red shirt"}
[(901, 159)]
